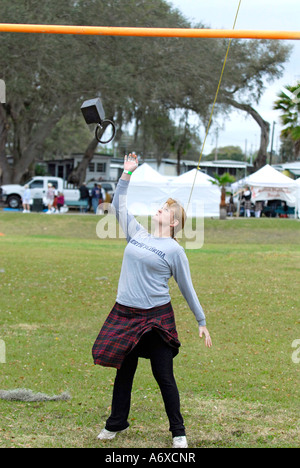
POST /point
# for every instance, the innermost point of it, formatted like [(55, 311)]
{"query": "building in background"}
[(106, 167), (291, 169), (98, 169)]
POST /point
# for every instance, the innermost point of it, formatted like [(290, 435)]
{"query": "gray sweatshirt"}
[(148, 264)]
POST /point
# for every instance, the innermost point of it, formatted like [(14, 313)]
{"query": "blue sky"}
[(254, 14)]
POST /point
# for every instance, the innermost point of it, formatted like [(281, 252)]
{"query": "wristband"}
[(128, 172)]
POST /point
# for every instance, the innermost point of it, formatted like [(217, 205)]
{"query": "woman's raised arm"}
[(127, 221)]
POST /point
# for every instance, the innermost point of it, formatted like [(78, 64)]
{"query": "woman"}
[(142, 324), (26, 199), (248, 205), (50, 198), (60, 201)]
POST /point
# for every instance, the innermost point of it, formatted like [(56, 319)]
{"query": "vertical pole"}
[(272, 144)]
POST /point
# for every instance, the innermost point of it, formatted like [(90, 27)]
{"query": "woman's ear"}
[(175, 223)]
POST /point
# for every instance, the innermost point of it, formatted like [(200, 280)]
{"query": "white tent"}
[(206, 196), (149, 190), (269, 184), (146, 173), (298, 196)]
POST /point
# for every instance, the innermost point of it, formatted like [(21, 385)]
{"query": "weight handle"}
[(103, 126)]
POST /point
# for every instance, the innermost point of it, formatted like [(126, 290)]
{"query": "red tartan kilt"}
[(125, 326)]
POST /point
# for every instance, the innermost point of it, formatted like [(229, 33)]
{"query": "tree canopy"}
[(288, 104), (140, 80)]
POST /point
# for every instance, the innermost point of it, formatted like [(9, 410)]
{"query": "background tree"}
[(223, 181), (183, 137), (233, 153), (286, 151), (141, 80), (289, 106), (251, 65), (49, 76), (40, 86)]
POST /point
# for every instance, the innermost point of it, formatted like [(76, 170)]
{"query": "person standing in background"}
[(50, 198), (96, 194), (26, 199), (60, 201), (84, 196), (248, 205)]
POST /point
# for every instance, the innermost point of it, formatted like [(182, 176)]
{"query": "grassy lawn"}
[(58, 283)]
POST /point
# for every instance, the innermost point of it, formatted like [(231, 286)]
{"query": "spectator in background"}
[(26, 199), (258, 209), (60, 201), (98, 196), (96, 193), (50, 198), (101, 200), (247, 197), (54, 206), (231, 206), (84, 196)]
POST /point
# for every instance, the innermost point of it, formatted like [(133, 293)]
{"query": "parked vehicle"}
[(109, 187), (12, 194)]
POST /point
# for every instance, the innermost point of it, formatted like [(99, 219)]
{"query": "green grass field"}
[(244, 392)]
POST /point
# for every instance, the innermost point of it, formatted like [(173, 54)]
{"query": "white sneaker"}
[(108, 435), (180, 442)]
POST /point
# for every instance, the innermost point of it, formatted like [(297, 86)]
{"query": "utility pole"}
[(217, 143), (272, 144)]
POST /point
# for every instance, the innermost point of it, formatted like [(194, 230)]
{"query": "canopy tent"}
[(206, 195), (269, 184), (298, 197), (149, 190), (145, 173)]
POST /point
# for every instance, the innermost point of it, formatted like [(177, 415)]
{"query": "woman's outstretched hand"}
[(131, 162), (205, 332)]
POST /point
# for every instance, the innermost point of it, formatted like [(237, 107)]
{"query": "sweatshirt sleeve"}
[(182, 275), (127, 221)]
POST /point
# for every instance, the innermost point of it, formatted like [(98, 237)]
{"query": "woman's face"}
[(164, 216)]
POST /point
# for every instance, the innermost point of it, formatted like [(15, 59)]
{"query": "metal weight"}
[(93, 113), (101, 129)]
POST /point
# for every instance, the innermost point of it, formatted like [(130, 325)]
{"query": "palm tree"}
[(289, 105), (222, 181)]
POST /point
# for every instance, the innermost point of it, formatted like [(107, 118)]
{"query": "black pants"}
[(161, 357)]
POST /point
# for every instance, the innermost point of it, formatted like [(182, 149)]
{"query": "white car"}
[(12, 194)]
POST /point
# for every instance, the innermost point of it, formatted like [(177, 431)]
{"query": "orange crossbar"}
[(149, 32)]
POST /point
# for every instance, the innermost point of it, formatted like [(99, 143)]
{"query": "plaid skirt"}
[(124, 328)]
